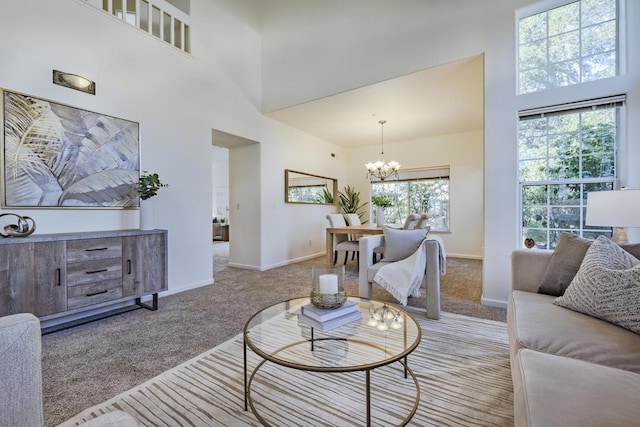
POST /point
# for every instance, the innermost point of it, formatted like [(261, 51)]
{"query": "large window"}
[(417, 191), (564, 153), (573, 43)]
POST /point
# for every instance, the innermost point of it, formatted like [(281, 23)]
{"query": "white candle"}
[(328, 284)]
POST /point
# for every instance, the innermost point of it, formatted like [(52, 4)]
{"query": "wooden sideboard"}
[(56, 275)]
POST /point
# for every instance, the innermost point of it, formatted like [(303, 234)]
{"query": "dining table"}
[(349, 229)]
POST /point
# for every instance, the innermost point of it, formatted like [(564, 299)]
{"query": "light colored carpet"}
[(462, 365)]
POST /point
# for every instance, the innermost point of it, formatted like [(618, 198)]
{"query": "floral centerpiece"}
[(381, 201)]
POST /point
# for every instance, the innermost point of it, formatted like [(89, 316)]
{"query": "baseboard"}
[(288, 262), (464, 256), (493, 302), (183, 288)]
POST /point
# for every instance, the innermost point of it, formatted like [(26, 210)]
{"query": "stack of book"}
[(325, 319)]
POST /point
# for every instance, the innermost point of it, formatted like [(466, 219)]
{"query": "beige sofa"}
[(21, 377), (568, 369)]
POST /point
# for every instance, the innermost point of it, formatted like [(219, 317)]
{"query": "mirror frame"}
[(286, 188)]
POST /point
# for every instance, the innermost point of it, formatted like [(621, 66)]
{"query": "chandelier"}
[(380, 169)]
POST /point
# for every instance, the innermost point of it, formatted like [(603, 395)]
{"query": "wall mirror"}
[(300, 187)]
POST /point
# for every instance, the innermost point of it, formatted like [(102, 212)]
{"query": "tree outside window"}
[(429, 196), (567, 45), (562, 157)]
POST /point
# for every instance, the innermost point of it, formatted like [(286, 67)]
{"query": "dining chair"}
[(353, 219), (341, 242), (422, 222)]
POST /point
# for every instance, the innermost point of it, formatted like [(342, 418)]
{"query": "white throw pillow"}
[(400, 244), (607, 286)]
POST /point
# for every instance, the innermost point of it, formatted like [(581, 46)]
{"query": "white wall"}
[(338, 46), (177, 99), (463, 153), (307, 49)]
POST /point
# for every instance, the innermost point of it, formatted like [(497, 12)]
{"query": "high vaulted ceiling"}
[(437, 101)]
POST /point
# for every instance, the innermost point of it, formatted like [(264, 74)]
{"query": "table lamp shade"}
[(613, 208)]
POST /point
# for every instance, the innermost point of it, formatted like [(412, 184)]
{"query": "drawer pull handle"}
[(97, 293), (97, 271), (58, 276), (96, 249)]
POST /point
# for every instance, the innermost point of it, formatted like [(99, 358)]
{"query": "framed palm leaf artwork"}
[(58, 156)]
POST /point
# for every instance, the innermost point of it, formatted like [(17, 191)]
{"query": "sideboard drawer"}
[(93, 293), (91, 249), (94, 271)]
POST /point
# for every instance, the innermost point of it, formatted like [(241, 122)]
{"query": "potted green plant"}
[(349, 201), (148, 186), (381, 201)]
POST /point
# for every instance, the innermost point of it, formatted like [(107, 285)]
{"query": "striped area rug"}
[(462, 365)]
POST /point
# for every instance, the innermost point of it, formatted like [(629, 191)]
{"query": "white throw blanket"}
[(403, 278)]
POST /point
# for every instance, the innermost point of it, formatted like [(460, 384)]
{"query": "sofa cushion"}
[(566, 260), (564, 264), (536, 323), (557, 391), (607, 286), (401, 244)]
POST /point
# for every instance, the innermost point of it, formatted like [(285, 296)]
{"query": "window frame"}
[(615, 102), (418, 175), (546, 6)]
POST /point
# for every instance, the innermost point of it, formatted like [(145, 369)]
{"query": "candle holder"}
[(327, 286)]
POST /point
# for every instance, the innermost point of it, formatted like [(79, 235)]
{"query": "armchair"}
[(21, 376), (435, 265), (409, 223)]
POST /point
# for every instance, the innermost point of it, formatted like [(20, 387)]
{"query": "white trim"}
[(493, 302), (278, 264), (465, 256), (543, 6)]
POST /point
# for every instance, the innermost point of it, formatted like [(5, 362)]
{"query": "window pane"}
[(533, 80), (564, 168), (533, 170), (595, 11), (533, 28), (599, 66), (599, 38), (565, 194), (564, 47), (564, 19), (567, 218), (533, 55), (564, 145), (564, 73), (534, 195)]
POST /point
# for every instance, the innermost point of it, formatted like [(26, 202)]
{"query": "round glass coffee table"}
[(380, 335)]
